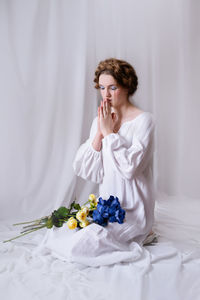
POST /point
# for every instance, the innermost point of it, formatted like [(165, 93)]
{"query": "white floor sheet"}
[(169, 269)]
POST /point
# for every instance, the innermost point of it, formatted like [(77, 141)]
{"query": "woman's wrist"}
[(99, 135), (97, 142), (108, 132)]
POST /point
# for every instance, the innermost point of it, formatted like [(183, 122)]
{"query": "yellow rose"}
[(85, 209), (72, 223), (81, 215), (84, 223), (92, 199)]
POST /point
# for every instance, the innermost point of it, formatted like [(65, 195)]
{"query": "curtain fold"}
[(48, 54)]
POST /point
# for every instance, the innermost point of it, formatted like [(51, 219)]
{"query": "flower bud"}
[(84, 223), (92, 197), (93, 200)]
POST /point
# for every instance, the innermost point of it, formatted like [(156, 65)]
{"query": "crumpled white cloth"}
[(94, 246), (170, 269), (164, 271)]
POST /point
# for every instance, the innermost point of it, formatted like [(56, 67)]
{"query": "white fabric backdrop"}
[(48, 53)]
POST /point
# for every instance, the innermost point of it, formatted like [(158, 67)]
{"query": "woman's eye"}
[(101, 87), (113, 88)]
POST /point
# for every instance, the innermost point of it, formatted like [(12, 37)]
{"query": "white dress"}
[(123, 168)]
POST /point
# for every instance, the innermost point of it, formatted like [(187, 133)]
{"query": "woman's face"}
[(112, 91)]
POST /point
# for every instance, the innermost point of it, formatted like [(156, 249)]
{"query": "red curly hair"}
[(121, 71)]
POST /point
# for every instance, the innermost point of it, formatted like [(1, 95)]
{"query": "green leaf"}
[(72, 205), (55, 214), (54, 218), (59, 223), (63, 212), (77, 206)]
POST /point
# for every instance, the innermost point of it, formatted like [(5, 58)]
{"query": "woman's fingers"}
[(101, 112), (98, 113), (108, 108), (104, 109)]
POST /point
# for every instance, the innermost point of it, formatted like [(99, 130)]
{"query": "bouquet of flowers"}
[(98, 211)]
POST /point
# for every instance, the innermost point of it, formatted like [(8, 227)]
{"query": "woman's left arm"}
[(131, 160)]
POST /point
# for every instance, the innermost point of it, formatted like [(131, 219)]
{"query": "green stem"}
[(86, 202), (32, 225), (30, 229), (23, 234), (29, 222), (72, 215)]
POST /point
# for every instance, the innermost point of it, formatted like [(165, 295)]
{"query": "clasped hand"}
[(106, 119)]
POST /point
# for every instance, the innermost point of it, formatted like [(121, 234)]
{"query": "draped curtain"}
[(48, 54)]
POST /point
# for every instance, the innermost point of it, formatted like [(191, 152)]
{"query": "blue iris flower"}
[(108, 211), (98, 218), (112, 219)]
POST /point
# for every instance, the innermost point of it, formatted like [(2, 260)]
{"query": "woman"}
[(118, 156)]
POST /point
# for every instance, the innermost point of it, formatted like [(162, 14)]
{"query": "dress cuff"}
[(112, 140)]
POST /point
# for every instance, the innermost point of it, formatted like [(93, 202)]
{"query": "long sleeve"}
[(88, 162), (130, 160)]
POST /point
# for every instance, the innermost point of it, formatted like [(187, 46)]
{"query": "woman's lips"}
[(109, 100)]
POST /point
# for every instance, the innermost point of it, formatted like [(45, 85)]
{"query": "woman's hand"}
[(97, 144), (106, 121), (105, 124)]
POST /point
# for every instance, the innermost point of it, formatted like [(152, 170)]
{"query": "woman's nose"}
[(107, 93)]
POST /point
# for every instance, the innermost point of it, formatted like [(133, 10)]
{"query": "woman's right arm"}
[(88, 162)]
